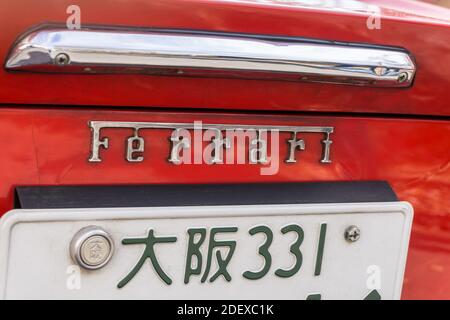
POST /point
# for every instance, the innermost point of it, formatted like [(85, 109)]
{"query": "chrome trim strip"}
[(60, 50), (98, 142)]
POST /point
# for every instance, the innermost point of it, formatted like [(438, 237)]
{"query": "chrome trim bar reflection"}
[(59, 50)]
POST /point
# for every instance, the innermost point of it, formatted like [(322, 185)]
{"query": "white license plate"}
[(246, 252)]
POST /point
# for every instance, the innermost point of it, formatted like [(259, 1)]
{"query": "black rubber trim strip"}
[(51, 197)]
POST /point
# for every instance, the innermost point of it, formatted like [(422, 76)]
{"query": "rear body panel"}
[(398, 135), (423, 33), (53, 148)]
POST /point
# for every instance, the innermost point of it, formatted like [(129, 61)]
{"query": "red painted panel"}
[(420, 28), (51, 147)]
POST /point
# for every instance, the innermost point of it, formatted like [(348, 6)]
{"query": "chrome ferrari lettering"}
[(326, 149), (214, 151), (226, 144), (135, 147), (97, 143), (180, 139), (294, 144), (258, 148)]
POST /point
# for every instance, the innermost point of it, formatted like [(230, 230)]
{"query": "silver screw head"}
[(352, 234), (62, 59), (402, 77), (92, 247)]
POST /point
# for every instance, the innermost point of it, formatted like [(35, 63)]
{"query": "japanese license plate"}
[(319, 251)]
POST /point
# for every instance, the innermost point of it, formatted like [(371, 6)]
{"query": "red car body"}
[(400, 135)]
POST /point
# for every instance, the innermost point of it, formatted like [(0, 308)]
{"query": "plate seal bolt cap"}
[(91, 247), (352, 234)]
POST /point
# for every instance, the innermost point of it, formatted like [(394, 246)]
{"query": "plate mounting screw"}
[(62, 59), (352, 234), (402, 77)]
